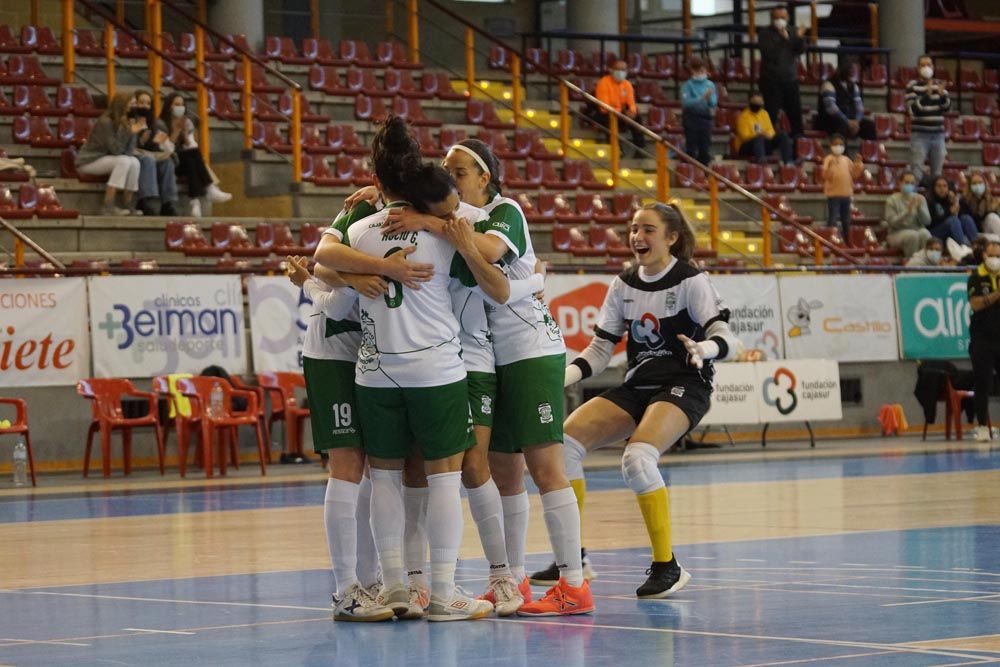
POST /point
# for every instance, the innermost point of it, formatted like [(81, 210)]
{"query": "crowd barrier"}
[(58, 330)]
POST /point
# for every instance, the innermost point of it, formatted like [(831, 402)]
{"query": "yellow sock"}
[(580, 490), (655, 507)]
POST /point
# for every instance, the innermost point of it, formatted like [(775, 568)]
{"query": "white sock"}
[(573, 453), (387, 524), (562, 518), (515, 529), (487, 512), (367, 567), (415, 534), (339, 508), (445, 531)]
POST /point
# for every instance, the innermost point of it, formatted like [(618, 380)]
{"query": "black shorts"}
[(691, 395)]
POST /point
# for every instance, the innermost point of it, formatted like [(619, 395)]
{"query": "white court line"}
[(751, 560), (19, 642), (699, 558), (174, 601), (857, 564), (801, 661), (802, 562), (731, 635), (978, 598), (159, 632)]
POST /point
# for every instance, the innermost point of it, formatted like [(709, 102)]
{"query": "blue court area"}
[(855, 599), (116, 503)]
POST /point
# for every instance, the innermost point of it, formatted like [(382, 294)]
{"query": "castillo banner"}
[(754, 311), (43, 339), (153, 325), (278, 312), (933, 316)]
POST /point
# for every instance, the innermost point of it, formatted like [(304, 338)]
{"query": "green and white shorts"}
[(332, 408), (529, 406)]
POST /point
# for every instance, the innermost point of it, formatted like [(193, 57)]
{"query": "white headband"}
[(475, 156)]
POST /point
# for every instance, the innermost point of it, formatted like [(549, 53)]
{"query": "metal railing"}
[(22, 240)]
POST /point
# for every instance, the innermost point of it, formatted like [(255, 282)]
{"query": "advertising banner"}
[(575, 303), (754, 311), (278, 319), (798, 390), (153, 325), (736, 395), (43, 340), (933, 312), (846, 318)]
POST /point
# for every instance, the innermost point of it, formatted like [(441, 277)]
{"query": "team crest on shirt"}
[(368, 357), (646, 330), (677, 391), (670, 300), (545, 413), (486, 407)]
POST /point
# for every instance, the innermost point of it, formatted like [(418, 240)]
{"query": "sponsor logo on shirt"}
[(646, 330), (677, 391)]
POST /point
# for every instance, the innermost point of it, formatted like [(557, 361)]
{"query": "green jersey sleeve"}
[(507, 222), (347, 218), (461, 272)]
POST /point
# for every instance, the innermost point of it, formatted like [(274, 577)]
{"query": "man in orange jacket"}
[(615, 90)]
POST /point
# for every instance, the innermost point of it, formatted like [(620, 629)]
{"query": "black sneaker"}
[(168, 209), (664, 579), (550, 575)]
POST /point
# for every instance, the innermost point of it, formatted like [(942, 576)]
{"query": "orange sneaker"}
[(561, 600), (525, 588)]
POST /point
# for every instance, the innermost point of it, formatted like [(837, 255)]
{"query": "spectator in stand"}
[(615, 90), (755, 136), (981, 206), (906, 217), (108, 151), (839, 173), (155, 152), (978, 252), (180, 127), (984, 334), (841, 109), (947, 223), (931, 255), (927, 101), (779, 77), (699, 102)]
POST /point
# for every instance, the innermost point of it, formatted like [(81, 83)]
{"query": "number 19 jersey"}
[(409, 338)]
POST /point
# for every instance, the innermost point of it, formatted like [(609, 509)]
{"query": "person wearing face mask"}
[(984, 334), (931, 255), (157, 178), (181, 131), (615, 90), (755, 137), (839, 174), (841, 109), (981, 206), (780, 50), (927, 101), (906, 217), (699, 102), (947, 223)]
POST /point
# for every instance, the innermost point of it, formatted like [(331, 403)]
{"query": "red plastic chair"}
[(41, 39), (321, 51), (106, 396), (356, 52), (46, 203), (10, 43), (27, 70), (439, 85), (20, 426), (284, 406), (283, 50), (77, 100), (198, 390), (36, 101), (326, 79)]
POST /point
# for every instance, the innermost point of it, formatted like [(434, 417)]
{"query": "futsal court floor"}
[(887, 554)]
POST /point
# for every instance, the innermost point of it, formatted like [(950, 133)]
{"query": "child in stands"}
[(839, 172)]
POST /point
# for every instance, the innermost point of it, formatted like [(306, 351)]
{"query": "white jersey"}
[(409, 338), (523, 329), (331, 339), (470, 310)]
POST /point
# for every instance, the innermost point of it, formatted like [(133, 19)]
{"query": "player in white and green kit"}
[(530, 363)]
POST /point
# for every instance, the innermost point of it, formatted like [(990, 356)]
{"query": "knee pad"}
[(639, 467), (573, 453)]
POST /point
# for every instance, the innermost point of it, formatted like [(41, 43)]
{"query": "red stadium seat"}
[(356, 52), (88, 43), (531, 180), (321, 52), (75, 129), (283, 50), (9, 205), (35, 130), (316, 140), (483, 113), (363, 82), (240, 46), (76, 100), (429, 146), (340, 174), (579, 244), (451, 136), (36, 101), (650, 92), (499, 58), (67, 168), (901, 132), (127, 46), (884, 183), (41, 39), (393, 54), (535, 60), (326, 79), (780, 202), (793, 242), (28, 71), (809, 149), (688, 176), (183, 49), (362, 173), (970, 130), (401, 83), (875, 75), (179, 79), (984, 104), (45, 202), (991, 154), (438, 84), (371, 109), (258, 80), (264, 110), (269, 136), (897, 101), (10, 43), (218, 78), (221, 105), (282, 242)]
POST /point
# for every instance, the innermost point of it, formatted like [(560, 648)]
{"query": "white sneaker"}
[(215, 195), (357, 605), (588, 570), (419, 601), (983, 434), (505, 596), (957, 250), (460, 607), (396, 598), (195, 207)]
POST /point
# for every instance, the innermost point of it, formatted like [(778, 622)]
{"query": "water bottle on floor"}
[(215, 401), (20, 464)]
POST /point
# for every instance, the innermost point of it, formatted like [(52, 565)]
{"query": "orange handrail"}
[(69, 54), (817, 252), (615, 149), (314, 18), (752, 20), (686, 17), (34, 12), (813, 28), (765, 229), (26, 240), (154, 24), (564, 119), (662, 172), (247, 97), (390, 18), (713, 211), (873, 24), (296, 137), (622, 26), (109, 55), (414, 31), (515, 76), (199, 65)]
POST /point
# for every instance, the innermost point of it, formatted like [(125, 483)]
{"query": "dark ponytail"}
[(492, 163), (674, 221), (395, 155), (428, 184)]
